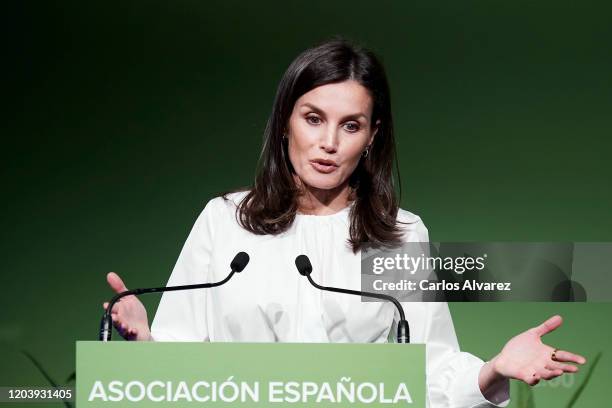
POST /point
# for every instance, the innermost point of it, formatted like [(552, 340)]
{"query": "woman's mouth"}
[(324, 166)]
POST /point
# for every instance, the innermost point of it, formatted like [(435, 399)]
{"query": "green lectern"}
[(187, 374)]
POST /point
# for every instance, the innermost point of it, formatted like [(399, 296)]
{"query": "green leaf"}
[(45, 374), (40, 368), (525, 396), (585, 382)]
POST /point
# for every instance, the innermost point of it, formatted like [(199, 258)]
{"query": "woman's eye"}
[(352, 127), (313, 120)]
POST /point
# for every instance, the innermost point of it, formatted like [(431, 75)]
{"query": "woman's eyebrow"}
[(320, 112)]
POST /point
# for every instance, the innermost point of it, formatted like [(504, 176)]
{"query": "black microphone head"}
[(303, 265), (239, 262)]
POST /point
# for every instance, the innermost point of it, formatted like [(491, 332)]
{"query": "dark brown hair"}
[(271, 204)]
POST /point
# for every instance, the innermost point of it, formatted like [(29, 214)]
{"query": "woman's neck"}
[(315, 201)]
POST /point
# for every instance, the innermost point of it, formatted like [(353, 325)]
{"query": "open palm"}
[(129, 314), (525, 357)]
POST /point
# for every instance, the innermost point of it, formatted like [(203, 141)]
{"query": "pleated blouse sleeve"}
[(181, 315), (452, 375)]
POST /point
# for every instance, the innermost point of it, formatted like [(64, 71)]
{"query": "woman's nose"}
[(329, 140)]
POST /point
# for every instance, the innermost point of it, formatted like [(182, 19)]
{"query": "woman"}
[(323, 188)]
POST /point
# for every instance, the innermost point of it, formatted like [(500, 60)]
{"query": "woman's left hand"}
[(526, 358)]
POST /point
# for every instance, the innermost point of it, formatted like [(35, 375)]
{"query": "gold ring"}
[(553, 357)]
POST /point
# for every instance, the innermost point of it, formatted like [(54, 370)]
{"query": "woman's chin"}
[(323, 182)]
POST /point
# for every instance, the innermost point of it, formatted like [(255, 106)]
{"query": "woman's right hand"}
[(129, 314)]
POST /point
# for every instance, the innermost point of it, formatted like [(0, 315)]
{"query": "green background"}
[(122, 119)]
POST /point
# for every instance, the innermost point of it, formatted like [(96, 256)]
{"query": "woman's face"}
[(329, 129)]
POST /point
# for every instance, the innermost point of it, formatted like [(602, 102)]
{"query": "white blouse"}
[(271, 302)]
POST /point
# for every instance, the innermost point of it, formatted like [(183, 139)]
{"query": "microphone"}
[(304, 267), (239, 262)]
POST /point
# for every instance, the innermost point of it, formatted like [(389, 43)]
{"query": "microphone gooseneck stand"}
[(237, 265), (304, 267)]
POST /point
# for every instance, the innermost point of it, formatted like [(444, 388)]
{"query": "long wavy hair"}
[(271, 204)]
